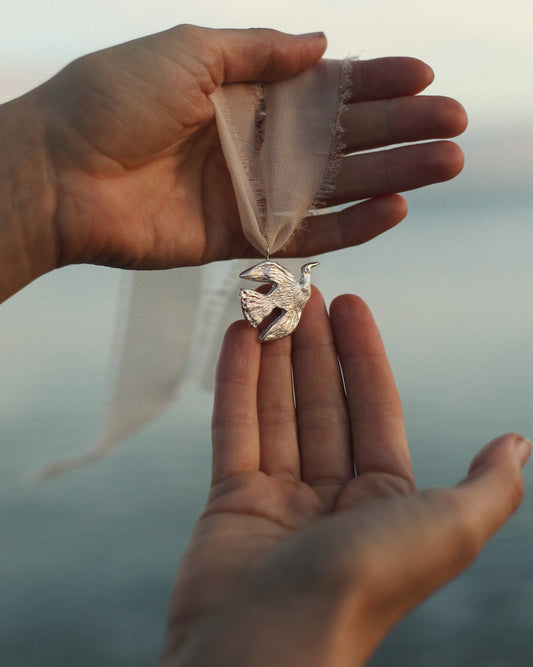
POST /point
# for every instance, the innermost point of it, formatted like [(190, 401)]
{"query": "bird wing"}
[(283, 325), (255, 306), (269, 272)]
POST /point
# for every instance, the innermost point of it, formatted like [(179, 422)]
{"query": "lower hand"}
[(297, 559)]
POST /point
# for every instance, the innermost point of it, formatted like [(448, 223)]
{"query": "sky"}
[(481, 50)]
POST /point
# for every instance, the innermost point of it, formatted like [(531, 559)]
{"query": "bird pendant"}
[(287, 295)]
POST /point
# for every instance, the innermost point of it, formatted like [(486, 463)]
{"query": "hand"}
[(296, 560), (139, 177)]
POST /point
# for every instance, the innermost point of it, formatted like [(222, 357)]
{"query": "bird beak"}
[(311, 264)]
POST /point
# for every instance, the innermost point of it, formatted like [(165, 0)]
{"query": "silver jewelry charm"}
[(287, 294)]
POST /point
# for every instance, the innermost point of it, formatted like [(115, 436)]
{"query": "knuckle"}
[(385, 485), (187, 32), (461, 535), (516, 491)]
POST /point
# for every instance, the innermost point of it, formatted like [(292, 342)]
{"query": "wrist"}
[(28, 247), (273, 625)]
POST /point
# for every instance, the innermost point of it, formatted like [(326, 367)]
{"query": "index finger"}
[(385, 78)]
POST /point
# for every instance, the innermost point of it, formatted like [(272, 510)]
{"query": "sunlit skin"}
[(117, 161), (296, 560)]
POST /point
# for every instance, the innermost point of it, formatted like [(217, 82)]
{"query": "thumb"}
[(493, 488), (452, 525), (256, 54), (424, 541), (268, 55)]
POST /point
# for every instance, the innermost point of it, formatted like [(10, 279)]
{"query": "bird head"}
[(306, 268), (305, 280)]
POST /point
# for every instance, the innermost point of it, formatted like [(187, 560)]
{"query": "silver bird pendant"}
[(287, 294)]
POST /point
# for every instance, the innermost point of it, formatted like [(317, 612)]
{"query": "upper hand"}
[(139, 179), (315, 540)]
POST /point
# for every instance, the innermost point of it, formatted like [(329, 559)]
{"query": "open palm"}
[(140, 179), (313, 512)]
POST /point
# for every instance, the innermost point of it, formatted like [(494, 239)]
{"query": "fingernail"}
[(313, 35), (523, 449)]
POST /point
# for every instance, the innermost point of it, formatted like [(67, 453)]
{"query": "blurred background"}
[(87, 560)]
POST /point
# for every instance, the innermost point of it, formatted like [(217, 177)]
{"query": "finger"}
[(385, 78), (235, 431), (384, 122), (275, 407), (378, 436), (323, 425), (259, 54), (493, 488), (351, 226), (396, 170)]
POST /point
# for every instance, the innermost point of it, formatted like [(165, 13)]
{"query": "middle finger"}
[(323, 425), (377, 123)]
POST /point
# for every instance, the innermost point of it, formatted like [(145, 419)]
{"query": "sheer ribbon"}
[(281, 143)]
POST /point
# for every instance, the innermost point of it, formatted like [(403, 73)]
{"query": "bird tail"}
[(255, 306)]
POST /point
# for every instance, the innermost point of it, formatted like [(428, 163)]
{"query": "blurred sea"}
[(87, 560)]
